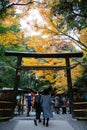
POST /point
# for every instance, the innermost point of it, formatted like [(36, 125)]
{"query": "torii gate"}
[(67, 57)]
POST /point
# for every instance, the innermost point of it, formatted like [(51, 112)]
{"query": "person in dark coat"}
[(57, 104), (28, 104), (38, 108), (46, 106), (64, 105)]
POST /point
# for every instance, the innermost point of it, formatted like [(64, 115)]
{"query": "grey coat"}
[(46, 106)]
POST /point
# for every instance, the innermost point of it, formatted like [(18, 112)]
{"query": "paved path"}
[(29, 125), (58, 122)]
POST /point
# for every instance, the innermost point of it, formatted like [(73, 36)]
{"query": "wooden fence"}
[(6, 104), (80, 110), (5, 110)]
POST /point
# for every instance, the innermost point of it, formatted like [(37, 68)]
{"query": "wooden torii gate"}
[(66, 56)]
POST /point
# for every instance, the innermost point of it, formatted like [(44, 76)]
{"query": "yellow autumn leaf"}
[(83, 36)]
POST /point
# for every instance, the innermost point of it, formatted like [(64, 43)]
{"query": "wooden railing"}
[(6, 110), (6, 104), (80, 110)]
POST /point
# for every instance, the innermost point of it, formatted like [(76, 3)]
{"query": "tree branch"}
[(17, 3), (80, 15), (78, 42)]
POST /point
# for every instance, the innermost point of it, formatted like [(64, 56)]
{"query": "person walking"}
[(28, 104), (37, 106), (57, 104), (64, 105), (46, 106)]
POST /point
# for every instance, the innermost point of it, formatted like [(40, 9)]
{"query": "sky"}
[(29, 21)]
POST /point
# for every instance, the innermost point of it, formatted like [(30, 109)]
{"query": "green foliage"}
[(74, 12), (6, 77), (4, 30), (14, 28), (2, 50), (7, 72), (24, 80), (3, 4), (43, 84)]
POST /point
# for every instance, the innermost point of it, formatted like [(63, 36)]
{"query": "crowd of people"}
[(60, 104), (45, 103)]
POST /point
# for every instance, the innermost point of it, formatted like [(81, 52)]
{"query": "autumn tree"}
[(72, 12), (52, 38), (10, 39)]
